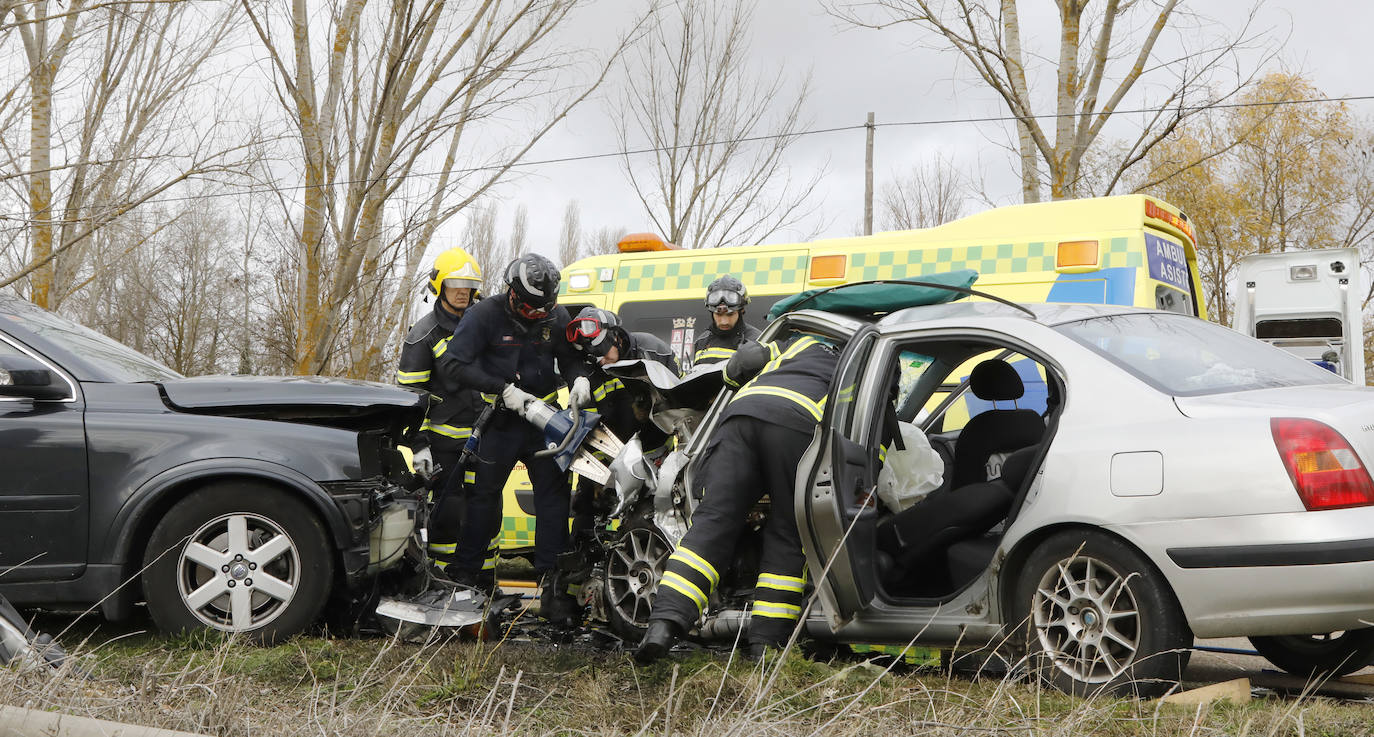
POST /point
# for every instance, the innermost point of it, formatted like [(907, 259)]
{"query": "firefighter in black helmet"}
[(507, 347), (755, 449), (454, 283), (726, 299)]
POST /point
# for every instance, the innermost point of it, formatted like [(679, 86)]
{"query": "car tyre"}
[(1097, 616), (241, 558), (633, 571), (1327, 655)]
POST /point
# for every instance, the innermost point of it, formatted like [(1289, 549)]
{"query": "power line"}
[(730, 141)]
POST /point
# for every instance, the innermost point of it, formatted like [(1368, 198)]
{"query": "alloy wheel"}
[(238, 572), (1087, 619)]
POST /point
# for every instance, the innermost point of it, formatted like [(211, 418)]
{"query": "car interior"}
[(988, 412)]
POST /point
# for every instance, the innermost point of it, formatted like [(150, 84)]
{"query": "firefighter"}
[(726, 298), (507, 347), (454, 283), (755, 449), (624, 410)]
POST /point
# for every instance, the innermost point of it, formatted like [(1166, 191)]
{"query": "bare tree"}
[(570, 237), (719, 133), (1106, 58), (116, 111), (928, 195), (378, 97)]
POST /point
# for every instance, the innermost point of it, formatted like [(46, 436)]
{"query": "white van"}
[(1307, 303)]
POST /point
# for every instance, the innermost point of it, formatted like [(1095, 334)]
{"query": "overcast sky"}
[(855, 71)]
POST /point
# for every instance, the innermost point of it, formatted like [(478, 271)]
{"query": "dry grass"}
[(314, 686)]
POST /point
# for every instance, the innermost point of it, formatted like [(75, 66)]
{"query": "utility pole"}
[(868, 178)]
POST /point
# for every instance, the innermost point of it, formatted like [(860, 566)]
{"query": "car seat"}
[(995, 430)]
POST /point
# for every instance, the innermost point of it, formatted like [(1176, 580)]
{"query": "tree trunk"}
[(1016, 74)]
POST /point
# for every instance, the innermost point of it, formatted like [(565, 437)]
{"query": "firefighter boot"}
[(556, 604), (659, 638)]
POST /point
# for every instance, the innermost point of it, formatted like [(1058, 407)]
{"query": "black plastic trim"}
[(1266, 556)]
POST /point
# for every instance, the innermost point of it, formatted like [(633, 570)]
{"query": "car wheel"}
[(1329, 655), (1098, 616), (238, 557), (632, 575)]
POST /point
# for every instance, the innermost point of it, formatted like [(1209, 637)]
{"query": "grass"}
[(318, 686)]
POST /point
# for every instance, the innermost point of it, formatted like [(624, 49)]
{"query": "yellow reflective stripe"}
[(606, 388), (731, 382), (686, 588), (441, 346), (440, 564), (448, 431), (411, 377), (781, 583), (776, 611), (443, 547), (882, 453), (713, 352), (683, 555), (489, 564), (773, 350), (816, 409), (470, 477), (550, 396)]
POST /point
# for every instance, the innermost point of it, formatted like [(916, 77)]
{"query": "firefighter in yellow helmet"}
[(454, 283)]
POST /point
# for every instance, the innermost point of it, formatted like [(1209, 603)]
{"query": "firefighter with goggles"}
[(726, 299), (755, 449), (624, 409), (513, 349), (454, 283)]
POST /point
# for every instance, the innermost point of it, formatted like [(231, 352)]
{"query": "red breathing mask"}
[(529, 311)]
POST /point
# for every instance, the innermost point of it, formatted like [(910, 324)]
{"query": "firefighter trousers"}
[(747, 458), (507, 440)]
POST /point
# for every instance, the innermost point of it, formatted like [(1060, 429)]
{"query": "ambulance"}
[(1308, 303), (1124, 250)]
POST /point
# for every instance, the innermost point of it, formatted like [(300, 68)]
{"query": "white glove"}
[(581, 392), (516, 399), (423, 462)]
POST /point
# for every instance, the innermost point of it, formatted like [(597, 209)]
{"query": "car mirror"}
[(21, 376)]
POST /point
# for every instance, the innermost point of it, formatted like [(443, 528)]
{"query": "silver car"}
[(1116, 482)]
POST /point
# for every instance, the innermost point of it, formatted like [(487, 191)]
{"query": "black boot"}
[(556, 604), (659, 638)]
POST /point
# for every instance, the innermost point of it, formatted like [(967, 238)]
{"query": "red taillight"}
[(1324, 468)]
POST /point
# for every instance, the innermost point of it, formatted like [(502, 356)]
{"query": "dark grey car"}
[(231, 502)]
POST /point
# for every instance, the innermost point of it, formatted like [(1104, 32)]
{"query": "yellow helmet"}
[(455, 268)]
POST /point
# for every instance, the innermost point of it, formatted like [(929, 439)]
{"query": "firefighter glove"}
[(423, 461), (580, 395), (516, 399)]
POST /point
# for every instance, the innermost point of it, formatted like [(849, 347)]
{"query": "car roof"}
[(1046, 314)]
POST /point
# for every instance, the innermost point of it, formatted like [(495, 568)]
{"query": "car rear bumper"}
[(1271, 574)]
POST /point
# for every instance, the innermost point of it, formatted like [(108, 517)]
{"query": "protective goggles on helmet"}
[(463, 282), (723, 300), (590, 334)]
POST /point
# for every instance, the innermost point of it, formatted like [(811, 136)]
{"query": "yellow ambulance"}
[(1126, 250)]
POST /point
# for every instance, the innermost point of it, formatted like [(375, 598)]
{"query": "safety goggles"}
[(529, 311), (589, 334), (463, 282), (723, 300)]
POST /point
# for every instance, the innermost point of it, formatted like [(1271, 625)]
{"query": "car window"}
[(118, 361), (967, 405), (1185, 356)]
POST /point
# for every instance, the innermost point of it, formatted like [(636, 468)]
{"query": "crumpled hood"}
[(312, 399)]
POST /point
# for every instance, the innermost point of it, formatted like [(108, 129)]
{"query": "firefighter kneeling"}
[(756, 448)]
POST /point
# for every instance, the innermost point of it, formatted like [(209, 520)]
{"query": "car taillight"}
[(1324, 468)]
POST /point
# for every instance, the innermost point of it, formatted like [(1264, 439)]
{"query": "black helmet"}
[(726, 294), (595, 330), (532, 287)]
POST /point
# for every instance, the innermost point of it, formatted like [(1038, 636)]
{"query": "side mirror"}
[(21, 376)]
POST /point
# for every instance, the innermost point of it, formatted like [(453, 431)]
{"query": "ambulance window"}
[(1172, 300), (967, 405), (1321, 327)]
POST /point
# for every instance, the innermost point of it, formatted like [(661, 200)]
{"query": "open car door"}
[(835, 508)]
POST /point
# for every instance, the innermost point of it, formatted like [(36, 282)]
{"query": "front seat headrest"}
[(995, 380)]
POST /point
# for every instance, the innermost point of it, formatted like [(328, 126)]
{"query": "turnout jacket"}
[(711, 346), (490, 349), (790, 389), (621, 406), (455, 407)]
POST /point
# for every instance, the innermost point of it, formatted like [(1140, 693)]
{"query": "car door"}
[(43, 488), (835, 504)]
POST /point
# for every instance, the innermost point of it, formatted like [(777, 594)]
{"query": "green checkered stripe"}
[(758, 272), (517, 532), (1004, 258), (913, 655)]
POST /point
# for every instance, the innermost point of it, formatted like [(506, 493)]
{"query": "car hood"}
[(310, 399)]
